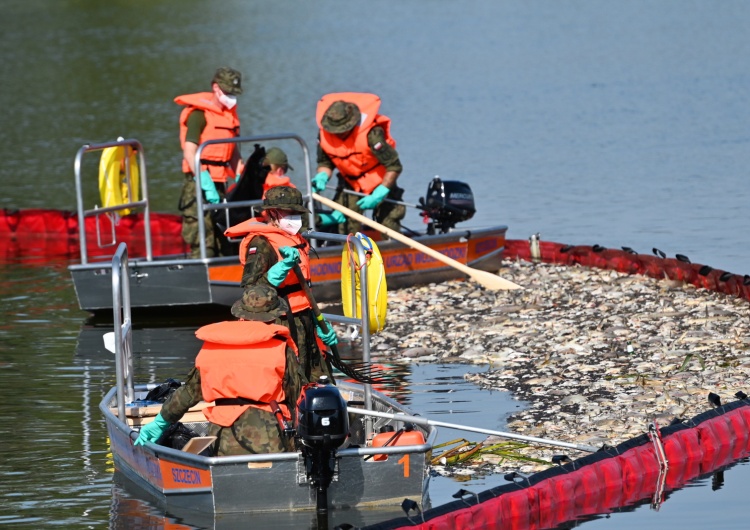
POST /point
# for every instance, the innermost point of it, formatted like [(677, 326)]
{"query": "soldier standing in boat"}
[(209, 116), (249, 368), (355, 140), (270, 249), (278, 164)]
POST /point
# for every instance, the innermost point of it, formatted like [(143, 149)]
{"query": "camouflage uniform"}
[(387, 214), (189, 209), (260, 256), (302, 324), (255, 431), (230, 82)]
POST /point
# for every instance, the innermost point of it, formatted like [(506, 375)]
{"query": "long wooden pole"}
[(487, 279)]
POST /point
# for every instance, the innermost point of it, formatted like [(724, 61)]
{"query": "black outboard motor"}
[(447, 202), (322, 427)]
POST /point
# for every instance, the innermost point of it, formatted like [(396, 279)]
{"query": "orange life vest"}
[(242, 359), (274, 180), (352, 155), (221, 124), (290, 287)]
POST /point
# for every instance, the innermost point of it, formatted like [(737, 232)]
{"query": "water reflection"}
[(691, 506)]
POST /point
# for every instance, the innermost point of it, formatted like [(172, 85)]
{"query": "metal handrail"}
[(123, 322), (123, 329), (364, 320), (143, 203), (221, 206)]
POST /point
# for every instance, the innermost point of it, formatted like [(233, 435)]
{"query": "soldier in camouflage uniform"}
[(261, 255), (209, 116), (255, 430), (372, 170)]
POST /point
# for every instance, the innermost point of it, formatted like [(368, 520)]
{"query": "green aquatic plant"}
[(464, 452)]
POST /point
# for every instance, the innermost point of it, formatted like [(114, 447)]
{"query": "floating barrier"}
[(645, 467), (629, 262), (42, 234)]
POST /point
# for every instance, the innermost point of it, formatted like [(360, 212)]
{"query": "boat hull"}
[(220, 484), (175, 281), (162, 282)]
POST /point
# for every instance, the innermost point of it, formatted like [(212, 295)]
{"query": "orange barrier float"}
[(629, 262), (614, 477), (41, 234), (611, 478)]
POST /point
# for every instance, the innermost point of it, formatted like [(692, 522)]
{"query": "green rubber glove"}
[(290, 254), (151, 432), (278, 272), (319, 182), (333, 218), (330, 338), (374, 198), (209, 188)]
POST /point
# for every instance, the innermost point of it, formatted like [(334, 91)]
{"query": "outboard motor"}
[(322, 427), (447, 202)]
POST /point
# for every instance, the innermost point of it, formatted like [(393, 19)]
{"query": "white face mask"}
[(291, 224), (228, 101)]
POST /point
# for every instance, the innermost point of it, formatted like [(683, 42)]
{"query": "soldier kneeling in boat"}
[(249, 368)]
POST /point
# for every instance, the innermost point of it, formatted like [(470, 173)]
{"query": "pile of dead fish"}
[(595, 355)]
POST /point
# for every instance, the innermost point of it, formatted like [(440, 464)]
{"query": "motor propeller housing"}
[(322, 420), (322, 426), (446, 203)]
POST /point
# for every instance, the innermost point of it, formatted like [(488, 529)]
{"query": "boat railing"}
[(123, 329), (83, 213), (143, 203), (123, 323), (224, 205), (362, 322)]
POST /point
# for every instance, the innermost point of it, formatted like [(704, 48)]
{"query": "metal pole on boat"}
[(79, 204), (122, 328), (199, 199), (425, 422), (392, 201), (135, 144), (365, 323)]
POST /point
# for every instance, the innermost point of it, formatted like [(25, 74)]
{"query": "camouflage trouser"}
[(256, 432), (386, 213), (190, 233)]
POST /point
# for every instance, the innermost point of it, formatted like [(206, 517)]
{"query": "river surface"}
[(591, 122)]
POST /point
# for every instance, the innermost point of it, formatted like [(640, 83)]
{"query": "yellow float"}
[(113, 177), (377, 290)]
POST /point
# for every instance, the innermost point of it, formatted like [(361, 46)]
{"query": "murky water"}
[(617, 123)]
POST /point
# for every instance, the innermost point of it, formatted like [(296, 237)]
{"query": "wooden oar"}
[(487, 279), (419, 420)]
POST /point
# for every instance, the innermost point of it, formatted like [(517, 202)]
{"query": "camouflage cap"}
[(341, 117), (229, 81), (276, 157), (284, 198), (260, 302)]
